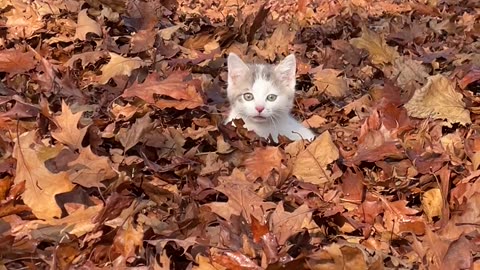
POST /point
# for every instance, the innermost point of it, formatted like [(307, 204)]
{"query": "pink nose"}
[(260, 108)]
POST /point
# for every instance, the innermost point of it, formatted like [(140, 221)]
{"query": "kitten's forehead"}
[(265, 72)]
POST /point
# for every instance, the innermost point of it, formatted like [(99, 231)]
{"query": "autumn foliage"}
[(113, 151)]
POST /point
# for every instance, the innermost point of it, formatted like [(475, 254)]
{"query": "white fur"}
[(277, 118)]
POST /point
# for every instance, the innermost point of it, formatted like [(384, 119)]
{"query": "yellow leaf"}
[(311, 163), (119, 65), (438, 100), (41, 185), (86, 25), (432, 203), (67, 131), (380, 52)]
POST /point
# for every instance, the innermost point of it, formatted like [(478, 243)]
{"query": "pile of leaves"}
[(114, 153)]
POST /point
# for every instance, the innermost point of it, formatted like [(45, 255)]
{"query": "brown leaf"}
[(327, 81), (262, 161), (41, 185), (130, 137), (119, 65), (285, 224), (183, 93), (16, 61), (89, 169), (86, 25), (432, 203), (67, 131), (439, 100), (311, 164), (380, 52)]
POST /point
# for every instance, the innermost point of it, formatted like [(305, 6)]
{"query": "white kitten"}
[(262, 95)]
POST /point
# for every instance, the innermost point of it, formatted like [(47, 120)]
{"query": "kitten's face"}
[(261, 93)]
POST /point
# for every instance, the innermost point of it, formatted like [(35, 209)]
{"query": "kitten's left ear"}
[(286, 71)]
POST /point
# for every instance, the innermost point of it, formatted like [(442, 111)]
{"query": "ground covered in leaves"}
[(114, 155)]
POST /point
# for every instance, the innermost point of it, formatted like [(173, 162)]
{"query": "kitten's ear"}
[(286, 70), (237, 69)]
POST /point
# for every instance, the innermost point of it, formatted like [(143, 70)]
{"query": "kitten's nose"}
[(259, 108)]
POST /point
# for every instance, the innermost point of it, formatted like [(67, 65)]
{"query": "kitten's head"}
[(261, 93)]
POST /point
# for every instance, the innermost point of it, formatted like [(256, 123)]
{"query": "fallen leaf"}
[(67, 131), (41, 185), (380, 53), (285, 224), (432, 203), (439, 100), (263, 161), (131, 136), (311, 164), (327, 81), (86, 25), (182, 92), (16, 61), (89, 169), (119, 65)]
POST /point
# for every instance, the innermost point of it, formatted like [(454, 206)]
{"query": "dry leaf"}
[(86, 25), (119, 65), (67, 131), (327, 81), (439, 100), (183, 92), (432, 203), (15, 61), (311, 164), (262, 161), (41, 185), (286, 224), (130, 137), (89, 169), (380, 52)]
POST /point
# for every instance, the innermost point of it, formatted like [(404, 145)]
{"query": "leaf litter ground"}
[(114, 155)]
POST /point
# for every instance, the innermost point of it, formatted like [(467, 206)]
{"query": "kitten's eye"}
[(248, 96), (271, 97)]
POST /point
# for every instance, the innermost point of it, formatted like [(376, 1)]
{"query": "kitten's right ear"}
[(237, 69)]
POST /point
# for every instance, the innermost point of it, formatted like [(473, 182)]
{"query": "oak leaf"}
[(182, 92), (380, 52), (311, 164), (119, 65), (89, 169), (67, 131), (85, 58), (41, 185), (439, 100), (86, 25)]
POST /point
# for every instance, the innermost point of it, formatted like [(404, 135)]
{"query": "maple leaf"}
[(439, 100), (67, 131), (184, 93), (242, 199), (16, 62), (311, 163), (85, 58), (41, 185), (380, 52), (89, 169), (119, 65), (262, 161), (327, 80), (86, 25), (286, 224)]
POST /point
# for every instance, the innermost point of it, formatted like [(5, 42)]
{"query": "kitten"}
[(262, 95)]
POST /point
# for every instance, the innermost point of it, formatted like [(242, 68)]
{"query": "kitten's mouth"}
[(259, 118)]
